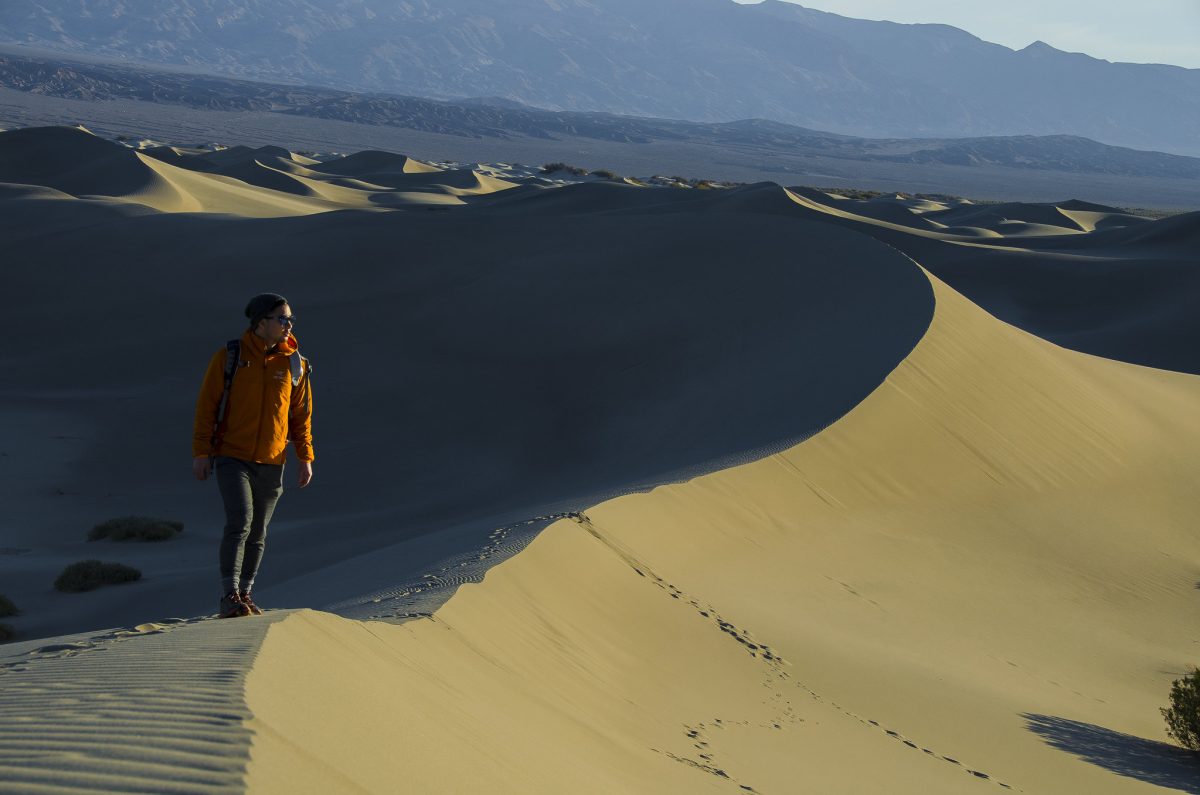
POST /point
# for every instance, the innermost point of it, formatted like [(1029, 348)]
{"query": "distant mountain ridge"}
[(487, 117), (705, 60)]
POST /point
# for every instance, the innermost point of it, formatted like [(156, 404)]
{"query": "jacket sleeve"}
[(300, 416), (207, 404)]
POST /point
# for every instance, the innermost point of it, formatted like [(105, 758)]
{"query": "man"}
[(269, 401)]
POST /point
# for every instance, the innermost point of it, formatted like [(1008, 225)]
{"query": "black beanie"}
[(262, 305)]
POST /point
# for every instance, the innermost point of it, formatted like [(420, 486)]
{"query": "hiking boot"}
[(232, 606), (249, 603)]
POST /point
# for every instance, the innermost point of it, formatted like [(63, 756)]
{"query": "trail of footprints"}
[(775, 679), (450, 576), (503, 542), (94, 643)]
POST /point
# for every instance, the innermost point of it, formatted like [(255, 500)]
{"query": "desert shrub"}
[(7, 608), (1146, 212), (87, 575), (136, 528), (853, 193), (7, 632), (550, 168), (1183, 716), (604, 173)]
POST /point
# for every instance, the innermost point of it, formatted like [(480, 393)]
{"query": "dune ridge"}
[(1024, 593)]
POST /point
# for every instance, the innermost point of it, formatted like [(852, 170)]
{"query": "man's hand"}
[(305, 473), (201, 467)]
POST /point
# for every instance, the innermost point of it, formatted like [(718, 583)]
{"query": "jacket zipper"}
[(262, 408)]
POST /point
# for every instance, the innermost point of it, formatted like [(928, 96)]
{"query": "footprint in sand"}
[(59, 649)]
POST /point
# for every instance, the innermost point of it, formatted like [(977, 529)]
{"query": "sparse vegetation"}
[(87, 575), (604, 173), (1183, 716), (677, 181), (7, 608), (855, 193), (551, 168), (1154, 215), (136, 528), (7, 633)]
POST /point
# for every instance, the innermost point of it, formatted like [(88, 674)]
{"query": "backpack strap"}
[(299, 366), (233, 354)]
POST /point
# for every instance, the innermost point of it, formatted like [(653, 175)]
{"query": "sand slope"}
[(991, 558), (532, 363), (157, 707), (1084, 276)]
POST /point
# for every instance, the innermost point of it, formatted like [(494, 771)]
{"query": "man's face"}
[(275, 327)]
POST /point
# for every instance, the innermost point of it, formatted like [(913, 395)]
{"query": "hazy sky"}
[(1145, 31)]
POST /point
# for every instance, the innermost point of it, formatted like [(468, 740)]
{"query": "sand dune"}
[(532, 353), (733, 490), (916, 610), (181, 190), (266, 182), (1176, 237), (1009, 221), (374, 162), (73, 161), (1090, 278)]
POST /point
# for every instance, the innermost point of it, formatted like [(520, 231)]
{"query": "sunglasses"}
[(284, 320)]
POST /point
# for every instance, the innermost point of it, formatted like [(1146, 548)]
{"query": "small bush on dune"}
[(7, 608), (136, 528), (550, 168), (604, 173), (7, 633), (853, 193), (1183, 716), (87, 575)]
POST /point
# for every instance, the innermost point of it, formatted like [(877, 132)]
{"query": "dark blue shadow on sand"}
[(1135, 757)]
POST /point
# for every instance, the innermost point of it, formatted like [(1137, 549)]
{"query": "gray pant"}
[(250, 492)]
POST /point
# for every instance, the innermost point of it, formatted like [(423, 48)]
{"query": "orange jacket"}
[(264, 410)]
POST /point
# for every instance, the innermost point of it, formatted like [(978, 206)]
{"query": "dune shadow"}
[(1135, 757)]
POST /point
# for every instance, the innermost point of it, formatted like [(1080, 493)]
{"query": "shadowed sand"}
[(478, 368), (896, 544)]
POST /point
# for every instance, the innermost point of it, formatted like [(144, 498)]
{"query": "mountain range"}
[(702, 60), (491, 118)]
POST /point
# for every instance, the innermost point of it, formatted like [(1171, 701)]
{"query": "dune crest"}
[(749, 626)]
